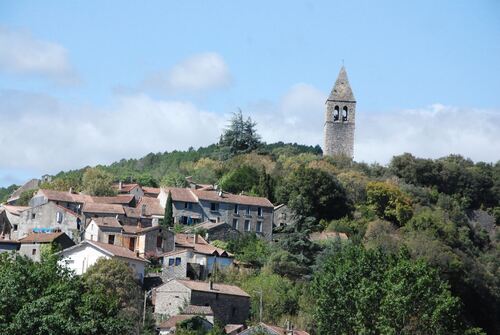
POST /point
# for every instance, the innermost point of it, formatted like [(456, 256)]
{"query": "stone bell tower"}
[(339, 119)]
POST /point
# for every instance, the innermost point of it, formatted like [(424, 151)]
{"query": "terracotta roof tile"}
[(15, 210), (90, 207), (212, 195), (151, 190), (216, 288), (283, 331), (116, 250), (52, 195), (123, 199), (201, 246), (41, 237), (181, 194), (125, 188), (230, 328), (107, 222), (153, 206)]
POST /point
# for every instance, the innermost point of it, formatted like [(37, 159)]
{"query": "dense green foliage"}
[(240, 136), (45, 298), (96, 181), (5, 192)]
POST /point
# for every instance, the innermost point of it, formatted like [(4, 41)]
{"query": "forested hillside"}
[(422, 256)]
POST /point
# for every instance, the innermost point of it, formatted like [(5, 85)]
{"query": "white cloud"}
[(58, 137), (22, 53), (199, 73)]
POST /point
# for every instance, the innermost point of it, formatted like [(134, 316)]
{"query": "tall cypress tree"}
[(168, 219)]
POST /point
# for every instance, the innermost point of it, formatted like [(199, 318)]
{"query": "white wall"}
[(84, 256)]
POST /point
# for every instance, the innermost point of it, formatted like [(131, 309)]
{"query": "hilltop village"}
[(245, 237)]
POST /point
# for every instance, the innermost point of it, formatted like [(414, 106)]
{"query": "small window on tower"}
[(344, 114), (336, 113)]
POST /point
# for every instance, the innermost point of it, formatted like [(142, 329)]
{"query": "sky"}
[(92, 82)]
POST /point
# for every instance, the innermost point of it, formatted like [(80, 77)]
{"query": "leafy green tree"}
[(369, 292), (98, 182), (389, 202), (5, 192), (240, 136), (315, 193), (168, 217), (265, 188), (174, 179), (250, 249), (25, 197), (241, 179)]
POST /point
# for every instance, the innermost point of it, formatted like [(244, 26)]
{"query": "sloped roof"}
[(107, 222), (283, 331), (151, 190), (122, 199), (230, 328), (65, 196), (15, 210), (126, 187), (213, 195), (342, 89), (216, 287), (115, 250), (153, 206), (41, 237), (181, 194), (90, 207), (29, 185)]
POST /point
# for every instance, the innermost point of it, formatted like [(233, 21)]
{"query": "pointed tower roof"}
[(342, 90)]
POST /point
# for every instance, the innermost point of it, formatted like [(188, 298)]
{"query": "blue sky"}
[(94, 75)]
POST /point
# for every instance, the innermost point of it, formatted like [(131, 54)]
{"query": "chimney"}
[(70, 190), (289, 328), (210, 285), (120, 185), (143, 210), (195, 239)]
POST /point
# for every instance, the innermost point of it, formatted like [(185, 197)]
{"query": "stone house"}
[(133, 189), (221, 231), (283, 216), (31, 245), (10, 219), (29, 185), (50, 216), (229, 303), (244, 213), (70, 200), (85, 254), (142, 240), (193, 258)]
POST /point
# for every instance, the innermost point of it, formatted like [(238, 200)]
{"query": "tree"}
[(98, 182), (168, 218), (240, 136), (250, 249), (25, 197), (243, 178), (371, 292), (389, 202), (314, 193), (265, 188), (112, 281)]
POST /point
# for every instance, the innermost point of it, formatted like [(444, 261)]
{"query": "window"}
[(344, 114), (336, 113), (236, 209), (190, 205), (177, 261), (184, 219), (33, 216), (33, 251), (15, 227), (78, 222), (171, 261), (59, 217), (247, 225), (159, 241), (235, 224), (259, 227), (214, 206), (185, 205), (259, 211), (248, 210), (111, 239)]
